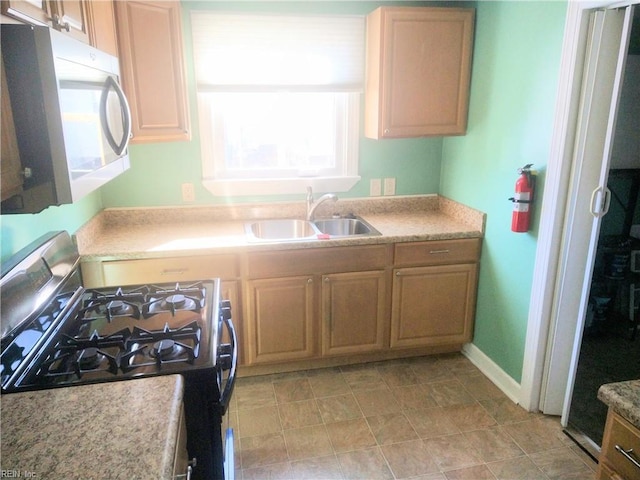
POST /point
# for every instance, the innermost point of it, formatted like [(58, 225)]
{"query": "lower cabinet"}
[(280, 320), (619, 457), (433, 305), (353, 312)]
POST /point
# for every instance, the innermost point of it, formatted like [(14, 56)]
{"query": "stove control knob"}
[(224, 362)]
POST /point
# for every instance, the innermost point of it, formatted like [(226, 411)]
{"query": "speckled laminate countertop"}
[(117, 234), (623, 398), (117, 430)]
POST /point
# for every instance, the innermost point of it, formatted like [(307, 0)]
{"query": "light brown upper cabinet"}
[(102, 20), (69, 16), (151, 61), (418, 71)]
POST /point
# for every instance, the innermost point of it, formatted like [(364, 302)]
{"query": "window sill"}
[(278, 186)]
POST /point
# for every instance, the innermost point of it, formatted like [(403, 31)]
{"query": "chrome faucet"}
[(311, 205)]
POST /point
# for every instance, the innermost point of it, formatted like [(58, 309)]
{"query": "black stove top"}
[(55, 332)]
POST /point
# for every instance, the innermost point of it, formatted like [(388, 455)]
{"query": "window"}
[(278, 101)]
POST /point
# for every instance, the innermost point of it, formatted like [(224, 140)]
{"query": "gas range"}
[(56, 333)]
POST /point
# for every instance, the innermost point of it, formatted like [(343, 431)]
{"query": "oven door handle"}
[(230, 351)]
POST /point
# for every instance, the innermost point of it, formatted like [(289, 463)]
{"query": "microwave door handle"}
[(120, 147), (225, 397)]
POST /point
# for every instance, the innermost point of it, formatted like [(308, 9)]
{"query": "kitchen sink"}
[(291, 229), (345, 227), (281, 229)]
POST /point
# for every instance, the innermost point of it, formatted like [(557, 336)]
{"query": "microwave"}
[(72, 119)]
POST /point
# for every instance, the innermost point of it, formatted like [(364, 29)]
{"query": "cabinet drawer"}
[(437, 252), (318, 260), (619, 432), (176, 269)]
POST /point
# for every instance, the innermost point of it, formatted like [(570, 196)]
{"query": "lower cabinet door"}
[(433, 305), (353, 313), (279, 320)]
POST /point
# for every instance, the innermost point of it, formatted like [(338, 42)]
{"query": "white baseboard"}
[(493, 372)]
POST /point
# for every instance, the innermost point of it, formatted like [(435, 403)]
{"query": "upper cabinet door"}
[(418, 71), (69, 16), (153, 72)]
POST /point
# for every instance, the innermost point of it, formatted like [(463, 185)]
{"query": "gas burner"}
[(76, 363), (163, 348), (90, 358), (112, 305), (180, 298)]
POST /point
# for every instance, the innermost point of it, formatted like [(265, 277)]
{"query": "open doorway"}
[(610, 346)]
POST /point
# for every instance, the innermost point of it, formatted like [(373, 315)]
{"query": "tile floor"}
[(426, 418)]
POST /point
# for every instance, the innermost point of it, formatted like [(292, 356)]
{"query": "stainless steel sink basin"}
[(282, 229), (345, 227), (291, 229)]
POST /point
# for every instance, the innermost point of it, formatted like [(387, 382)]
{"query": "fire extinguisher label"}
[(521, 202)]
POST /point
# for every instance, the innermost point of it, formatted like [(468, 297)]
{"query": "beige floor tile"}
[(478, 472), (350, 435), (365, 465), (429, 370), (307, 442), (452, 452), (276, 471), (299, 414), (431, 422), (533, 436), (561, 463), (480, 387), (505, 411), (252, 395), (339, 408), (293, 390), (391, 428), (450, 392), (409, 459), (492, 444), (325, 468), (376, 402), (470, 417), (328, 384), (258, 421), (412, 397), (364, 377), (263, 450), (425, 418), (398, 375), (519, 468)]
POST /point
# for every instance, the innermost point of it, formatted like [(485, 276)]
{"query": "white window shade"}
[(264, 52)]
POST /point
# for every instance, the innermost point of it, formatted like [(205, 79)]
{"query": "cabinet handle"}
[(438, 252), (187, 476), (628, 454), (309, 281)]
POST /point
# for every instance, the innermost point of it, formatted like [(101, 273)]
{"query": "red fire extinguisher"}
[(523, 199)]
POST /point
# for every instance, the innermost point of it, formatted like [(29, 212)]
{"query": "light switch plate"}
[(389, 186)]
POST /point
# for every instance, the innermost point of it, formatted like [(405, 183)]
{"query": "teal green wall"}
[(17, 231), (513, 92)]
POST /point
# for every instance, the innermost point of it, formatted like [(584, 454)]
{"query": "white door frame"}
[(544, 295)]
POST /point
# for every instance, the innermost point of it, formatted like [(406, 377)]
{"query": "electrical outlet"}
[(375, 187), (389, 186), (188, 192)]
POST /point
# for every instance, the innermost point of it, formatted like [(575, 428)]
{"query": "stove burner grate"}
[(112, 305), (190, 297)]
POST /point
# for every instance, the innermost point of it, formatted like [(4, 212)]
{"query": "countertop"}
[(117, 234), (116, 430), (623, 398)]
